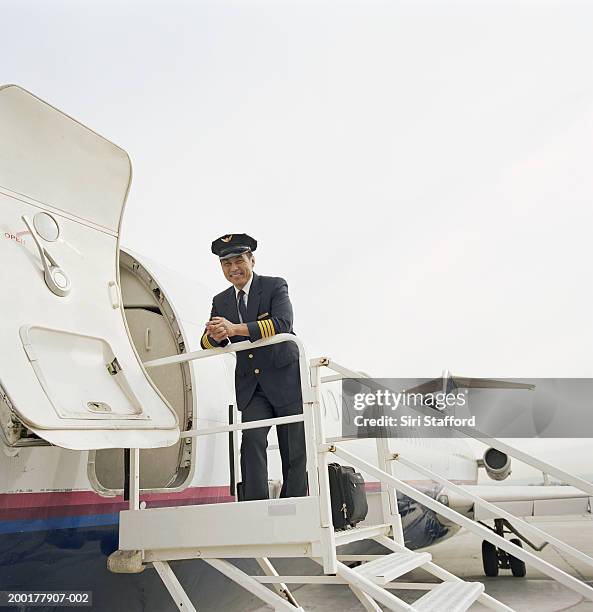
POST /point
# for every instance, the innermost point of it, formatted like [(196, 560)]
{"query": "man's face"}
[(238, 270)]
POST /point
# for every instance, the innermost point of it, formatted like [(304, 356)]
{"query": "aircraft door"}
[(68, 370)]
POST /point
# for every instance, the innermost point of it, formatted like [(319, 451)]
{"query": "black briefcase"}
[(348, 496)]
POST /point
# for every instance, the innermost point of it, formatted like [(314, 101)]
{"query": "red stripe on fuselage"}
[(19, 506), (23, 506)]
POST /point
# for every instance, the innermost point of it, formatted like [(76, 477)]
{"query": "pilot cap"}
[(232, 245)]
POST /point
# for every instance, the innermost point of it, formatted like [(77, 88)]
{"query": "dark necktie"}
[(241, 306)]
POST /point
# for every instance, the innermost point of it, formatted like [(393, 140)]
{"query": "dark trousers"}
[(254, 455)]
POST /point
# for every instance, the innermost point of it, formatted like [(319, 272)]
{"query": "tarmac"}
[(461, 555)]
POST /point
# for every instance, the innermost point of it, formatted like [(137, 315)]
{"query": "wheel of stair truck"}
[(517, 566), (489, 559)]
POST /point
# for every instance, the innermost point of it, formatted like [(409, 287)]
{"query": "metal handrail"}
[(540, 465), (194, 433), (520, 553), (581, 556), (309, 396), (307, 392), (543, 466), (390, 480), (526, 556), (306, 389)]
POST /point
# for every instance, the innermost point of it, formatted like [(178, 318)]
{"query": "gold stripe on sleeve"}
[(206, 342), (261, 329)]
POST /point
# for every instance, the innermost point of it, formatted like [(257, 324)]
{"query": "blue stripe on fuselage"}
[(59, 522)]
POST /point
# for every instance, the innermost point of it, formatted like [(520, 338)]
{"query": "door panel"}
[(68, 370)]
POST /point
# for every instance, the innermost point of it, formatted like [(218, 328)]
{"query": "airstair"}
[(302, 527)]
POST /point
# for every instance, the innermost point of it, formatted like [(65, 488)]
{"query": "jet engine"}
[(497, 464)]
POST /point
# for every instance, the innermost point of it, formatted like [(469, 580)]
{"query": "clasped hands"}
[(220, 328)]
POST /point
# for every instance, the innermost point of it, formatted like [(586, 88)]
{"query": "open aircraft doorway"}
[(154, 328)]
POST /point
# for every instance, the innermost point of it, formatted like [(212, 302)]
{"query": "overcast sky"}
[(421, 173)]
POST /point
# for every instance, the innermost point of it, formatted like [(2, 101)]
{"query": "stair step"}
[(450, 596), (361, 532), (389, 567)]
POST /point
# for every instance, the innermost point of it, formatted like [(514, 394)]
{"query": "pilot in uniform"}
[(267, 379)]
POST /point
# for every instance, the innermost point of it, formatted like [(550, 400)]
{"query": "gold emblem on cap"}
[(227, 238)]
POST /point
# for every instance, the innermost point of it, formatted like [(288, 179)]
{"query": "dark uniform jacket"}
[(275, 367)]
